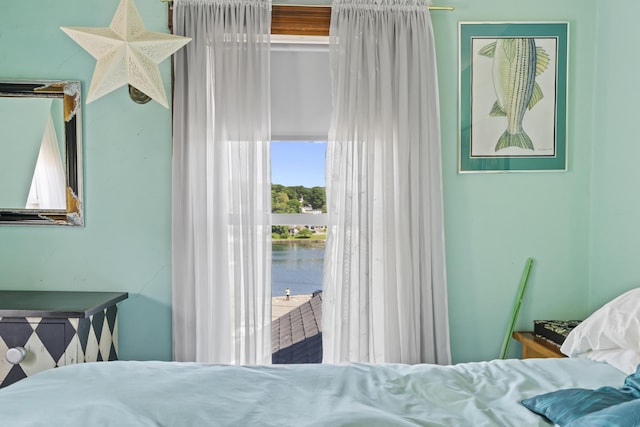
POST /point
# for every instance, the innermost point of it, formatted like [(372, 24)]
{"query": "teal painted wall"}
[(494, 222), (615, 203), (125, 245), (578, 225)]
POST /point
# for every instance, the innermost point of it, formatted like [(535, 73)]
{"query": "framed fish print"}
[(513, 96)]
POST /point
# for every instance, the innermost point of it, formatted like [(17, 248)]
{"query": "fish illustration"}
[(516, 64)]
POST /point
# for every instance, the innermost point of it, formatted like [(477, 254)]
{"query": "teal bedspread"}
[(189, 394)]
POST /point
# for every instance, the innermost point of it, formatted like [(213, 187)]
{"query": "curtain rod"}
[(449, 8)]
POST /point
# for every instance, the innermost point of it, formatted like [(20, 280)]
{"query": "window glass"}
[(298, 190), (300, 115)]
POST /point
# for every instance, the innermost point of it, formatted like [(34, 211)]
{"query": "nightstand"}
[(535, 347), (46, 329)]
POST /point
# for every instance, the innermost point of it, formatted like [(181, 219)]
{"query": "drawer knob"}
[(16, 355)]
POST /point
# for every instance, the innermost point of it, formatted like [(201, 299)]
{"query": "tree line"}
[(287, 199)]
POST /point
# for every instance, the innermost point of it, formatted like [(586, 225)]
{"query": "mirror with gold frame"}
[(41, 152)]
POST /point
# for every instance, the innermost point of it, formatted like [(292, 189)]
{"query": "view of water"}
[(297, 266)]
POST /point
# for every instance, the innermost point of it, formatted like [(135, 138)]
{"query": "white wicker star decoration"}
[(126, 53)]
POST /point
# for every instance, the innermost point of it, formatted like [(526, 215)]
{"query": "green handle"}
[(516, 308)]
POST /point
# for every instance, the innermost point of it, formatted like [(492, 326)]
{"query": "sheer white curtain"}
[(385, 297), (221, 189), (48, 186)]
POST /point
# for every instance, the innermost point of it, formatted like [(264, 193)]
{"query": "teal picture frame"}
[(513, 96)]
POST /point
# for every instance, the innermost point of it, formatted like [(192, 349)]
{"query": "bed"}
[(126, 393), (572, 391)]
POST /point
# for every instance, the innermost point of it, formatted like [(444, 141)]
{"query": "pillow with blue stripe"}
[(565, 406), (623, 415)]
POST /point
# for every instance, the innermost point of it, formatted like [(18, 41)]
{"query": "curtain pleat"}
[(221, 251), (48, 186), (385, 297)]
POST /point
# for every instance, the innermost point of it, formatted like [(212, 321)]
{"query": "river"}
[(297, 266)]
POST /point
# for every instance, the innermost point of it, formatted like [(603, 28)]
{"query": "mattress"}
[(127, 393)]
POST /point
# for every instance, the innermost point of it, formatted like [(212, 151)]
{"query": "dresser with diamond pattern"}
[(47, 329)]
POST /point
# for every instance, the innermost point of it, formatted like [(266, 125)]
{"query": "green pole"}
[(516, 308)]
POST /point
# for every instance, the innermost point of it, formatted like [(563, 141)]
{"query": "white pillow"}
[(614, 326), (624, 360)]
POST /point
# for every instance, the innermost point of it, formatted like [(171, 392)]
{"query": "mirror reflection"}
[(40, 165)]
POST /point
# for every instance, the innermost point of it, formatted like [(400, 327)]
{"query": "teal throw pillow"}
[(623, 415)]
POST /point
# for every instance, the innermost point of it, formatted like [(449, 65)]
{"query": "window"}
[(300, 113), (298, 244), (299, 216)]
